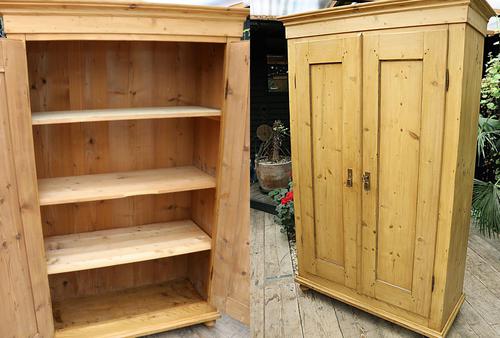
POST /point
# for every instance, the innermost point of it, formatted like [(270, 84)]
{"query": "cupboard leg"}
[(303, 288), (210, 323)]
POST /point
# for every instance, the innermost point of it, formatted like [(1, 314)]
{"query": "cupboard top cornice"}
[(385, 14), (120, 20)]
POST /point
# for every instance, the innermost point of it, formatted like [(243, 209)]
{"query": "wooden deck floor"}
[(281, 309), (226, 327)]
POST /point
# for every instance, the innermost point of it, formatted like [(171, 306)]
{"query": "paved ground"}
[(281, 309)]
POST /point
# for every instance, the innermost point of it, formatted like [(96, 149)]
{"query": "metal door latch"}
[(349, 178), (366, 181)]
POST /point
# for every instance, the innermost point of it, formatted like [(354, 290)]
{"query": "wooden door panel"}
[(400, 108), (402, 141), (231, 278), (24, 290), (328, 135), (326, 110)]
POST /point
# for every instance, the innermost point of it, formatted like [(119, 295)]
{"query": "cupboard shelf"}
[(132, 312), (94, 115), (86, 188), (103, 248)]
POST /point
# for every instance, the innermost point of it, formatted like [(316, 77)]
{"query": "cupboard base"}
[(134, 312), (352, 298)]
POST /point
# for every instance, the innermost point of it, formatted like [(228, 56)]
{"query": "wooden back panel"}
[(76, 75)]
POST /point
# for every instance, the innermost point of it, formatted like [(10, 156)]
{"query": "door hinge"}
[(294, 82), (432, 283), (2, 30), (226, 89), (447, 83)]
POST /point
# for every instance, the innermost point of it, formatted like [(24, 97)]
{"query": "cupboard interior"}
[(84, 75)]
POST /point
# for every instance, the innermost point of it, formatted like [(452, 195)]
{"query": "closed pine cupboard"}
[(384, 106), (122, 138)]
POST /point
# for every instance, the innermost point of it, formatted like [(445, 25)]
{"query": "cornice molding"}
[(383, 7)]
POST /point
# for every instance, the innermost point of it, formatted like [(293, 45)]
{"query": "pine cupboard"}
[(384, 100), (122, 133)]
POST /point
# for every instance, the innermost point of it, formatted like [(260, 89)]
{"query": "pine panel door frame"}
[(346, 53), (425, 46)]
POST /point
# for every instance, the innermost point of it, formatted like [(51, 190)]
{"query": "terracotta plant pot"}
[(272, 175)]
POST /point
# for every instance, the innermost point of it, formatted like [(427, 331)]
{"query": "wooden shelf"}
[(86, 188), (103, 248), (132, 312), (93, 115)]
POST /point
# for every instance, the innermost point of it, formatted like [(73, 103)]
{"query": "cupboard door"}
[(327, 150), (24, 290), (403, 114), (231, 279)]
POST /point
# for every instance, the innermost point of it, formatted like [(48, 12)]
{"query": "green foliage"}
[(490, 87), (486, 206), (284, 209), (486, 191), (488, 138)]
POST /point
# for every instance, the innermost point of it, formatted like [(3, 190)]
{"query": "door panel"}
[(231, 278), (24, 290), (326, 109), (400, 108), (328, 93), (403, 114)]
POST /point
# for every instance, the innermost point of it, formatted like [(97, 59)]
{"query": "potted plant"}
[(273, 165)]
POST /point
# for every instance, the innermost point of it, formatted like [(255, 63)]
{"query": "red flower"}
[(288, 197)]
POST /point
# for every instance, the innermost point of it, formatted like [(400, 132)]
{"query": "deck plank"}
[(321, 316), (278, 263), (257, 277), (316, 315), (282, 317)]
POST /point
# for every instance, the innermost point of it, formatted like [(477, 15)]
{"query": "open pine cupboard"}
[(384, 100), (117, 133)]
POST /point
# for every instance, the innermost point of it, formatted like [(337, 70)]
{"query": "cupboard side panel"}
[(473, 63), (448, 173), (460, 131), (294, 141), (17, 93)]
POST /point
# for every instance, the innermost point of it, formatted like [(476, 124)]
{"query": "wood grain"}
[(92, 115), (327, 74), (133, 312), (20, 163), (86, 188), (421, 63), (103, 248), (84, 18), (231, 259), (389, 14), (18, 307), (115, 103)]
